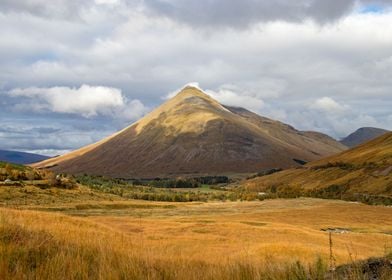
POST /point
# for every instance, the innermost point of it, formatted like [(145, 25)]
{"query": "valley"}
[(195, 140), (192, 134), (198, 190), (196, 240)]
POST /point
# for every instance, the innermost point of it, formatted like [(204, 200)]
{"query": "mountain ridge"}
[(20, 157), (192, 133), (362, 135)]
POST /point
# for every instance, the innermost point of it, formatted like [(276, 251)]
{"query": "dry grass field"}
[(281, 229), (106, 237)]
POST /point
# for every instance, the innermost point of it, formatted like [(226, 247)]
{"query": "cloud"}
[(87, 101), (320, 65), (133, 110), (216, 13), (106, 2), (233, 13), (65, 9), (56, 137), (226, 96), (329, 105), (326, 115)]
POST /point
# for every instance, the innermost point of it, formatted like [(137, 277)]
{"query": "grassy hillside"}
[(362, 173)]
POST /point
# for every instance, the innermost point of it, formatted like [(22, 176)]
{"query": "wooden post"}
[(331, 256)]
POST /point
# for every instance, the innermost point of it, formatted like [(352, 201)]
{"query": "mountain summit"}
[(362, 135), (193, 134)]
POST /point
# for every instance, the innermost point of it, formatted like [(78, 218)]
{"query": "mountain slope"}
[(20, 157), (366, 169), (192, 134), (362, 135)]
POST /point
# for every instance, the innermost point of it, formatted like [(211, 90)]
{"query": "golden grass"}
[(359, 181), (32, 196), (366, 169), (377, 151), (156, 240), (260, 229)]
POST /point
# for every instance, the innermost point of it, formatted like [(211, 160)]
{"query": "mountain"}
[(362, 135), (365, 169), (20, 157), (194, 135)]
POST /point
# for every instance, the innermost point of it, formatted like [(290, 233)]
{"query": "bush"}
[(174, 183), (332, 192), (338, 164), (212, 180), (265, 173)]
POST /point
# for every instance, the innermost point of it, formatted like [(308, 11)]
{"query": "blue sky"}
[(72, 72), (376, 9)]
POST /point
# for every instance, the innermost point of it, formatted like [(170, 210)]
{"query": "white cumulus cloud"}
[(328, 104), (229, 97), (87, 101)]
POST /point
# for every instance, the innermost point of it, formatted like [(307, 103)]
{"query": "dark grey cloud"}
[(63, 9), (234, 13), (227, 13)]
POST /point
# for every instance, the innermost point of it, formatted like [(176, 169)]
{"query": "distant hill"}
[(360, 171), (20, 157), (194, 135), (362, 135)]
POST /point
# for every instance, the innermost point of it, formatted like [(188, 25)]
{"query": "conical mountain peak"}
[(193, 134), (188, 111), (190, 91)]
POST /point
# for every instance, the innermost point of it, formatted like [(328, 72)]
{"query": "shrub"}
[(332, 191), (265, 173), (338, 164)]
